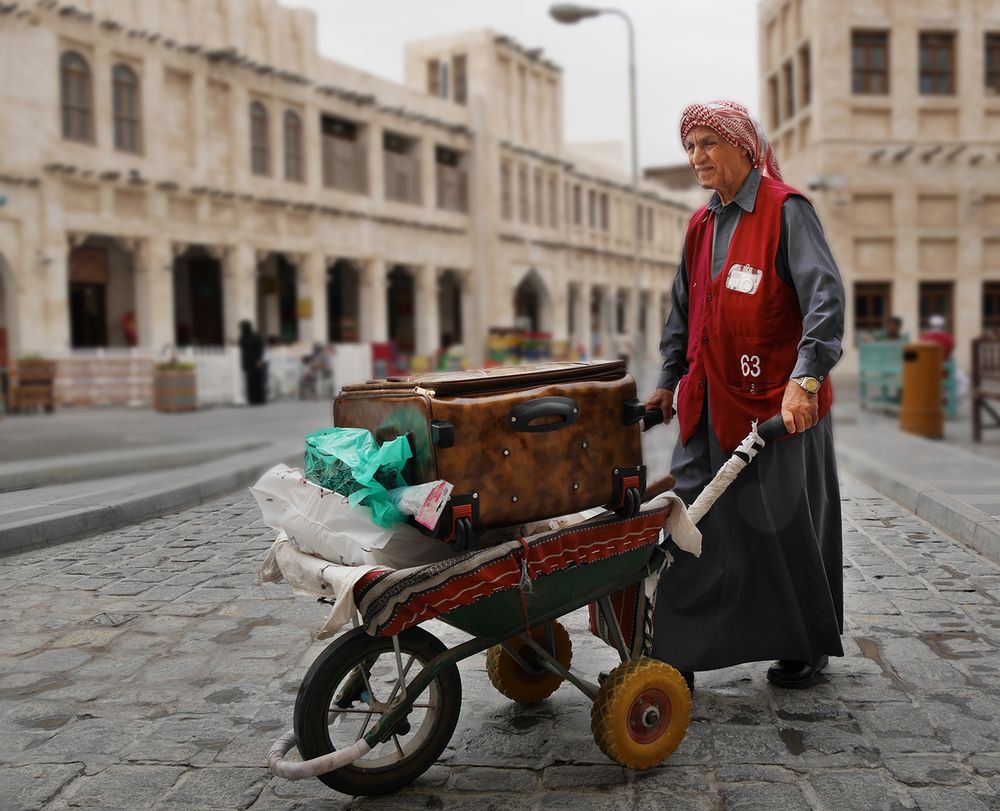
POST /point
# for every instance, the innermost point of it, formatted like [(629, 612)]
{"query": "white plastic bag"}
[(316, 520), (425, 502)]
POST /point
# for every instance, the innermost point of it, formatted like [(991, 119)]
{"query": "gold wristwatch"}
[(809, 384)]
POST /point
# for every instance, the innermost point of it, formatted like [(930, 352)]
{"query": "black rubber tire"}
[(331, 668), (631, 504), (463, 534)]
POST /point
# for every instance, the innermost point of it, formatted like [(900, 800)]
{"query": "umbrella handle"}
[(772, 429)]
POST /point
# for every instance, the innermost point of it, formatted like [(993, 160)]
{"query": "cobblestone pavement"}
[(162, 678)]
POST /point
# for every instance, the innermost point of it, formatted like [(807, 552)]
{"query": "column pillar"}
[(52, 330), (154, 294), (605, 321), (560, 313), (581, 320), (374, 307), (471, 334), (312, 288), (427, 321), (653, 326), (239, 288)]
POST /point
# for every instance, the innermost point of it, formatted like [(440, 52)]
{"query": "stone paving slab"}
[(146, 667)]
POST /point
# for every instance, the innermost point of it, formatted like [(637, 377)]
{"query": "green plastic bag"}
[(349, 461)]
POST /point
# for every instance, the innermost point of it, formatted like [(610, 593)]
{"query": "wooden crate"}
[(32, 386)]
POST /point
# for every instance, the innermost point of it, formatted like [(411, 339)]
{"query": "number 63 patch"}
[(750, 365)]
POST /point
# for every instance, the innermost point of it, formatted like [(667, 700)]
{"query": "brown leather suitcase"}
[(519, 443)]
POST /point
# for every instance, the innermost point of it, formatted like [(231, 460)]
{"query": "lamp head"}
[(569, 13)]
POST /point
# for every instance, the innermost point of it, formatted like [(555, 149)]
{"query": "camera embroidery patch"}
[(743, 279)]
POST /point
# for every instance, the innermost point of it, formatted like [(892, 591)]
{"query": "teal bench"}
[(880, 378)]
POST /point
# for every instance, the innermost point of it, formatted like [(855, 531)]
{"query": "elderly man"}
[(756, 326)]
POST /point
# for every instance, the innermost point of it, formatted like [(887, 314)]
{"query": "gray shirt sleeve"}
[(674, 339), (805, 262)]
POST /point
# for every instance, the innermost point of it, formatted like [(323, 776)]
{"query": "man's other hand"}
[(799, 409), (662, 399)]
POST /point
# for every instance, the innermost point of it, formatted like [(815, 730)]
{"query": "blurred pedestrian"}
[(314, 372), (252, 363), (130, 332), (937, 332), (893, 330)]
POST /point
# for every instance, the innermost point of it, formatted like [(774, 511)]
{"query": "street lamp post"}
[(570, 14)]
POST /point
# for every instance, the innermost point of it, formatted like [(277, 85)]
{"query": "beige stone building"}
[(171, 167), (887, 114)]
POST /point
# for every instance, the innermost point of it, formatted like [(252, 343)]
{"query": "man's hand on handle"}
[(662, 399), (799, 409)]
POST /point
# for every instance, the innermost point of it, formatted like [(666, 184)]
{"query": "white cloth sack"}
[(314, 577), (317, 520)]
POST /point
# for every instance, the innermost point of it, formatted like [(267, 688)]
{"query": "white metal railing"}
[(124, 376), (218, 376)]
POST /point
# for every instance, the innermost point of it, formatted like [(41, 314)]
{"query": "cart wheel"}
[(463, 534), (348, 689), (631, 505), (641, 713), (523, 686)]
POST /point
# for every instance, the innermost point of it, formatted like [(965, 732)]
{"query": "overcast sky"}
[(686, 50)]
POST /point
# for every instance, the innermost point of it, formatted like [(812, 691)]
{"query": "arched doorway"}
[(342, 302), (101, 295), (198, 299), (531, 302), (450, 309), (277, 299), (400, 293)]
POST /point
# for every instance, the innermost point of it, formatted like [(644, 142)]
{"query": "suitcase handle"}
[(522, 415)]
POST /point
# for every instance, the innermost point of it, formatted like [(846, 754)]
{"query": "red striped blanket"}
[(391, 601)]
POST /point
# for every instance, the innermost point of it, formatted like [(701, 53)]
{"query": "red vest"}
[(744, 326)]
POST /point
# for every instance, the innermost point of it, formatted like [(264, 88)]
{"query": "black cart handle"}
[(522, 415), (773, 429), (652, 417)]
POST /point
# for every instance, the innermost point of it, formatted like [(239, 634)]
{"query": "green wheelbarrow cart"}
[(379, 705)]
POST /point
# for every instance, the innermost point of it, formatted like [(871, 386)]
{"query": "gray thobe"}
[(769, 582)]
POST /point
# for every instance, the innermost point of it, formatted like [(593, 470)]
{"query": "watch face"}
[(810, 384)]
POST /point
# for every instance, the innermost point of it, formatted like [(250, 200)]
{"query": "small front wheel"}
[(641, 713), (351, 685)]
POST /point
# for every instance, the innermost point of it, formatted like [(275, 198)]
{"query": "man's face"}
[(717, 163)]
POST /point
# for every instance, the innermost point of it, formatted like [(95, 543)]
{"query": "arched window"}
[(260, 144), (293, 147), (128, 117), (77, 98)]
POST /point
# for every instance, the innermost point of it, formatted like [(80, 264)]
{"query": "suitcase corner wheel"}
[(628, 486), (459, 517)]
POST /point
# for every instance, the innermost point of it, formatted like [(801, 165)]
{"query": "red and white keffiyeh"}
[(734, 123)]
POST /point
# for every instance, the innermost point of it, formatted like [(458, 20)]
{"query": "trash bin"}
[(922, 409)]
